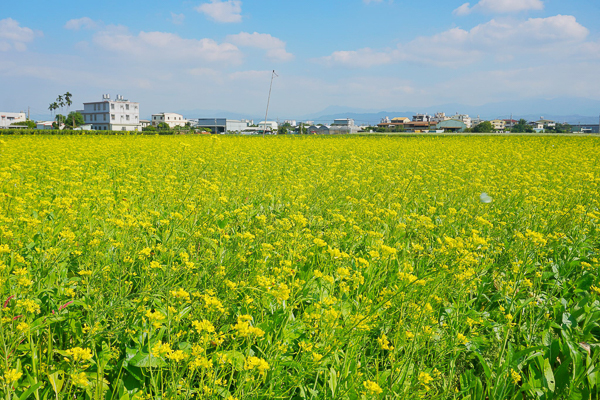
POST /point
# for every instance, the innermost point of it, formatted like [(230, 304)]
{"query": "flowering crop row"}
[(299, 267)]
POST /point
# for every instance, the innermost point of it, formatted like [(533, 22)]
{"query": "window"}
[(127, 106), (127, 117), (105, 117), (104, 107), (94, 107), (95, 117), (112, 106), (112, 117)]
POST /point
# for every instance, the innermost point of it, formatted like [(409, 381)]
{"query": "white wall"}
[(10, 118)]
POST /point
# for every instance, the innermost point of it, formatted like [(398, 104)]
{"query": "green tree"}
[(522, 127), (26, 124), (149, 128), (163, 126), (73, 120), (58, 121), (284, 129), (485, 126), (61, 101)]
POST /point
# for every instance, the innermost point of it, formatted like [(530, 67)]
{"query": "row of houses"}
[(120, 114), (440, 122)]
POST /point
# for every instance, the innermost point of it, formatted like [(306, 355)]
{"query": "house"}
[(464, 118), (537, 126), (171, 119), (546, 123), (498, 124), (44, 125), (268, 126), (8, 118), (509, 123), (112, 115), (145, 123), (393, 123), (451, 125)]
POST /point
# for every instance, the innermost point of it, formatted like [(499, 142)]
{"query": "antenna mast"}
[(273, 75)]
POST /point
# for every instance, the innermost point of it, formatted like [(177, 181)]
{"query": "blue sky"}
[(375, 55)]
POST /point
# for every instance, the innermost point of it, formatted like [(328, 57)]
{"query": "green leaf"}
[(57, 379), (29, 391), (548, 374), (138, 358)]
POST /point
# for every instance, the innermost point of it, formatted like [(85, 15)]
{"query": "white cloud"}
[(274, 47), (463, 10), (222, 11), (458, 47), (165, 46), (177, 19), (85, 23), (500, 6), (12, 35), (362, 58)]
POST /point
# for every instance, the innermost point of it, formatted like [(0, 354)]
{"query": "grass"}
[(299, 267)]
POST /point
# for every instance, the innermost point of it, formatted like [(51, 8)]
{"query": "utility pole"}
[(273, 75)]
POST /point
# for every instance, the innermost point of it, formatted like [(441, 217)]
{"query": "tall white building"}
[(170, 119), (112, 115), (464, 118), (7, 118)]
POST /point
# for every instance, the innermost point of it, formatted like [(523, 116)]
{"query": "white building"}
[(233, 125), (170, 119), (268, 126), (112, 115), (292, 122), (439, 117), (421, 118), (45, 125), (464, 118), (7, 118)]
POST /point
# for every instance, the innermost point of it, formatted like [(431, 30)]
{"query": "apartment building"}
[(112, 115)]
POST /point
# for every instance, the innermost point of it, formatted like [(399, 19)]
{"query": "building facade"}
[(268, 126), (7, 118), (112, 115), (170, 119), (498, 124)]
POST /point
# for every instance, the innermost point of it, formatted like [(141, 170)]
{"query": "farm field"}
[(299, 267)]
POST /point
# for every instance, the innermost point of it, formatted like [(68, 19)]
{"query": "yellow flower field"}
[(299, 267)]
